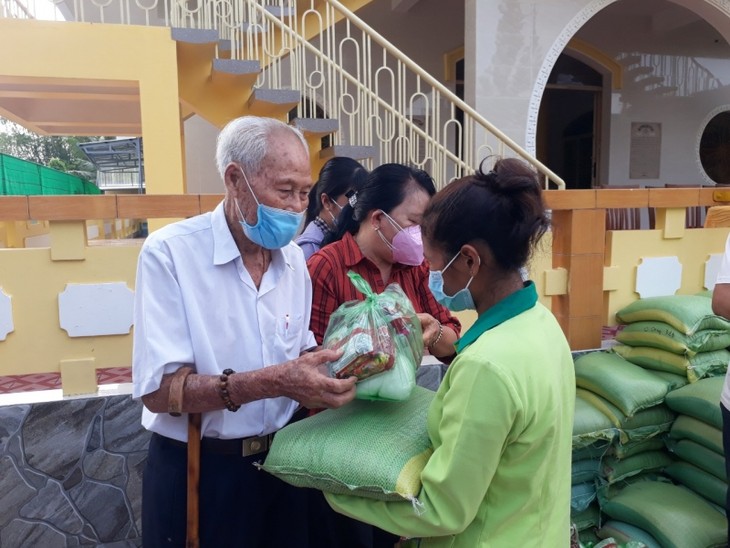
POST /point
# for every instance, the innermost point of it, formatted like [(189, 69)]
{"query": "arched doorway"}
[(569, 122)]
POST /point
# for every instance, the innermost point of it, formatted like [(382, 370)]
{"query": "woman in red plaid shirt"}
[(379, 237)]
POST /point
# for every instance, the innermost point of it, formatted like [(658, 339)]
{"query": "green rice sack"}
[(625, 385), (665, 337), (700, 456), (675, 516), (674, 381), (706, 485), (650, 461), (700, 400), (373, 449), (694, 367), (590, 425), (690, 428), (686, 313)]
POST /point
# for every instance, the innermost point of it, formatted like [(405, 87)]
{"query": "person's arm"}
[(162, 345), (721, 300), (304, 379), (479, 412), (439, 337), (721, 292)]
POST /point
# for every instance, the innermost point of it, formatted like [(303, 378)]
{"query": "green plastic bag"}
[(381, 340)]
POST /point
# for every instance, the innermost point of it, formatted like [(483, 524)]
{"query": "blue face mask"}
[(461, 300), (274, 227)]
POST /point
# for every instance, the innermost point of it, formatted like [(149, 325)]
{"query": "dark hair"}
[(337, 176), (386, 187), (503, 208)]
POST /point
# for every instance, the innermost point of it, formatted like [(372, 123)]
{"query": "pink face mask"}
[(407, 245)]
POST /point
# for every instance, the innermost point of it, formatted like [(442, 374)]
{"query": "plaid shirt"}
[(331, 287)]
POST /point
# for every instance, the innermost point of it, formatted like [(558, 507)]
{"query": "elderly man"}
[(229, 294)]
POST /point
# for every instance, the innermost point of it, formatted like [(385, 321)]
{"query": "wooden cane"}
[(175, 408), (192, 539)]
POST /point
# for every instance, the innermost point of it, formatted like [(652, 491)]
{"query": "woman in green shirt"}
[(501, 421)]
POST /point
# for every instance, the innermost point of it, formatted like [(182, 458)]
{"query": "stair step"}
[(280, 11), (664, 90), (316, 127), (273, 102), (650, 80), (236, 71), (349, 151), (195, 36), (639, 70)]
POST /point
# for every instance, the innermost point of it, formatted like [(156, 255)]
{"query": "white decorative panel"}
[(658, 276), (118, 224), (92, 232), (87, 310), (107, 228), (6, 315), (712, 267)]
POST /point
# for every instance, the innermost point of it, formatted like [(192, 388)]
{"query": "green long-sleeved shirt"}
[(501, 426)]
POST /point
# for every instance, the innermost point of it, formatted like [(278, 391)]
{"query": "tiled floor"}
[(49, 381)]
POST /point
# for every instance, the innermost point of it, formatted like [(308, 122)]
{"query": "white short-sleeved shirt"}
[(723, 277), (196, 303)]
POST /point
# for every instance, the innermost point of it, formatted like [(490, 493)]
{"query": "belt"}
[(243, 447)]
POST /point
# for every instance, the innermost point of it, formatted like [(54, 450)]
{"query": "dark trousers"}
[(240, 506), (726, 447), (332, 530)]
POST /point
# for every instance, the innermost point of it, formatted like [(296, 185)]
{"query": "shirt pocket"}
[(289, 334)]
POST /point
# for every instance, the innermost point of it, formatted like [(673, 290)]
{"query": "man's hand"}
[(306, 380)]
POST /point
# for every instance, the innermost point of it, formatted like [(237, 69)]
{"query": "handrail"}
[(15, 9), (457, 101), (385, 117)]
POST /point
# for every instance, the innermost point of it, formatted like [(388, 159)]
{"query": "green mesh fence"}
[(20, 177)]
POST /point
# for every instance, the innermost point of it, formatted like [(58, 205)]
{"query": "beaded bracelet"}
[(223, 391), (438, 337)]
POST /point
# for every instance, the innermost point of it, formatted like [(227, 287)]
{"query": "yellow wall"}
[(33, 281), (47, 50), (625, 249)]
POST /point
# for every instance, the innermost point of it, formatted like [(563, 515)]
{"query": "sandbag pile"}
[(676, 334)]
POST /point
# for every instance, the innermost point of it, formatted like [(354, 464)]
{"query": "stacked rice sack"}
[(629, 417), (696, 440), (638, 499), (676, 335)]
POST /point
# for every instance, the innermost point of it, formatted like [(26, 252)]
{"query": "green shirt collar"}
[(507, 308)]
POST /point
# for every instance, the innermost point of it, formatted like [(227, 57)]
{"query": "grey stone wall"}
[(71, 473)]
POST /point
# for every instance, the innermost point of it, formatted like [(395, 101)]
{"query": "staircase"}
[(315, 64)]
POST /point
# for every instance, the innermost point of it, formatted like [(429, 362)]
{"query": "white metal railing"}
[(680, 75), (16, 9), (344, 70)]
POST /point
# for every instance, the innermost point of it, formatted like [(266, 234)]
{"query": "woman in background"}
[(378, 236), (338, 177), (501, 421)]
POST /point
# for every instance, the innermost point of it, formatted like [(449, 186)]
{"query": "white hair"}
[(245, 141)]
